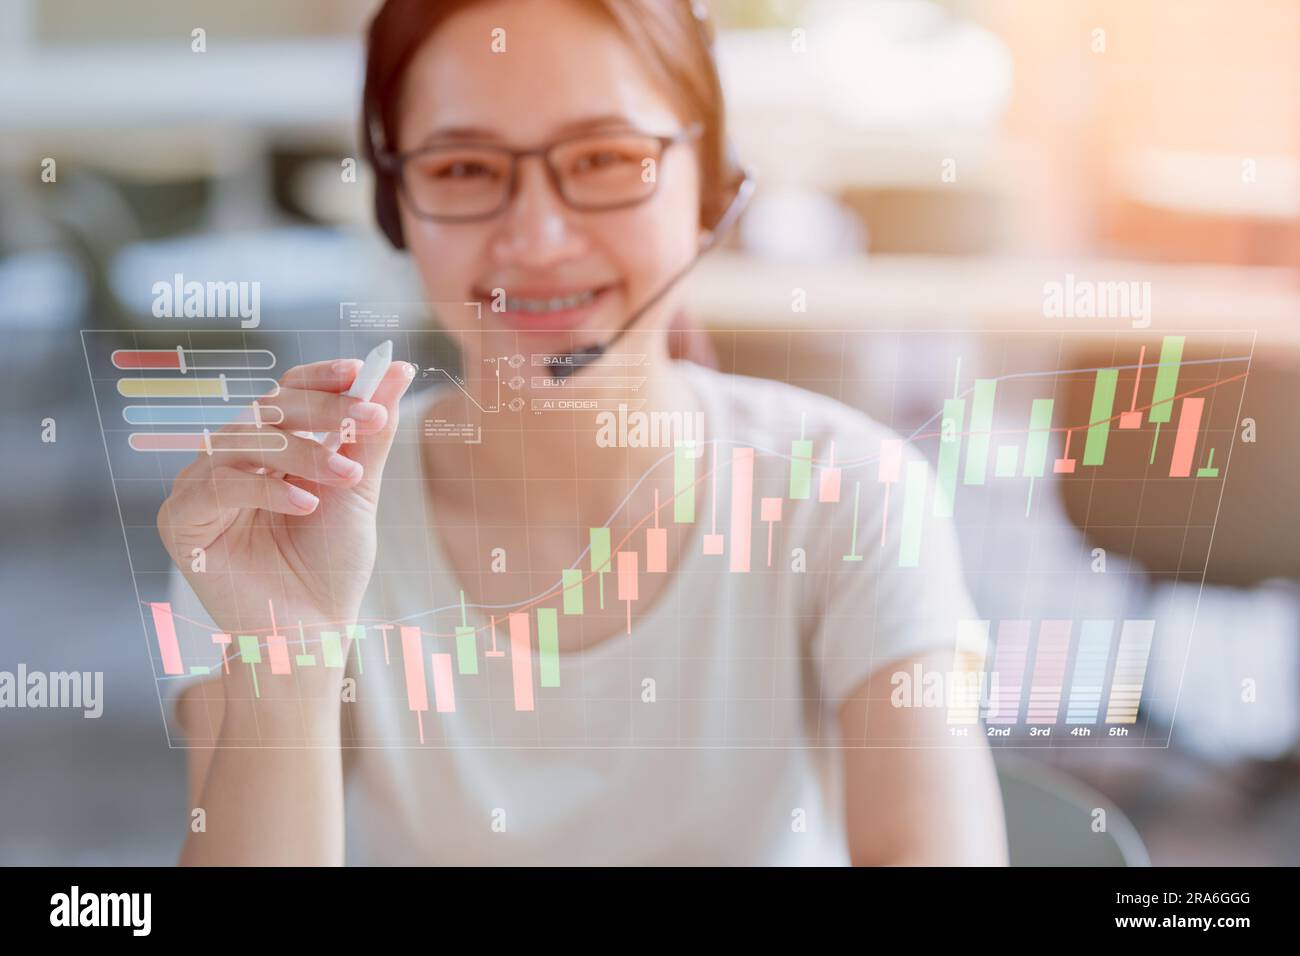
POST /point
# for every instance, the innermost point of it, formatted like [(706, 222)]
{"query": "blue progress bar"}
[(213, 416)]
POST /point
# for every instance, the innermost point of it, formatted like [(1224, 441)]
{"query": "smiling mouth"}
[(548, 313), (543, 306)]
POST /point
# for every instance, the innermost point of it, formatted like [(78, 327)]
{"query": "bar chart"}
[(1064, 680), (1020, 685)]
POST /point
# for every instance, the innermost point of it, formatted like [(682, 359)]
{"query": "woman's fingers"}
[(300, 457), (394, 384), (210, 493), (308, 410), (245, 470), (239, 489), (200, 499), (336, 375), (371, 447)]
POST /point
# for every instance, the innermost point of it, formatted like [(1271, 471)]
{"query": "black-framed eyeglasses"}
[(470, 182)]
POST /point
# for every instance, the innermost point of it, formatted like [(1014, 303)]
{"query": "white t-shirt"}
[(705, 736)]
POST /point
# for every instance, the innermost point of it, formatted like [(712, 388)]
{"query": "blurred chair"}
[(1050, 815)]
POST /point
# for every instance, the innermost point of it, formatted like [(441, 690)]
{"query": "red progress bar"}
[(147, 358)]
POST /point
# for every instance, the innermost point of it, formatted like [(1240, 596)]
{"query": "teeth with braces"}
[(549, 305)]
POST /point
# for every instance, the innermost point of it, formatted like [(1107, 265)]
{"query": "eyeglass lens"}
[(600, 171)]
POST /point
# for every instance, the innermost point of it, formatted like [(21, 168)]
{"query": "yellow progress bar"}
[(170, 387), (222, 386)]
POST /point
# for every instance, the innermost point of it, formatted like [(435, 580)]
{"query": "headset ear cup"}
[(732, 178), (387, 213)]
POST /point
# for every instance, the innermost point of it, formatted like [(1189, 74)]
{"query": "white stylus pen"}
[(363, 388)]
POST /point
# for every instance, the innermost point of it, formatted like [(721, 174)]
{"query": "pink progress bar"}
[(208, 441)]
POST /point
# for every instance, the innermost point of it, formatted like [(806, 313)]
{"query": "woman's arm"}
[(915, 804), (263, 807), (289, 532)]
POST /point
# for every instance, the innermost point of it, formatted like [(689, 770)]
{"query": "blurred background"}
[(922, 166)]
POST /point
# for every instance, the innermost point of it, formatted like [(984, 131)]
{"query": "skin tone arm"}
[(911, 805), (272, 526), (265, 807)]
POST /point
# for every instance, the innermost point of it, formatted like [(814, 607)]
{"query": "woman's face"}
[(564, 68)]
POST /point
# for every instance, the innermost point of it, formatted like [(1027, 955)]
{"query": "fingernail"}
[(408, 370), (366, 411), (343, 466), (341, 367), (302, 499)]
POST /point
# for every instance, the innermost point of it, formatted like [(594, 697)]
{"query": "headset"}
[(562, 366), (738, 184)]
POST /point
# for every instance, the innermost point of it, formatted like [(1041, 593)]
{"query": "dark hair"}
[(675, 38)]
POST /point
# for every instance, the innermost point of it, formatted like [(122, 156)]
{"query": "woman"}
[(732, 708)]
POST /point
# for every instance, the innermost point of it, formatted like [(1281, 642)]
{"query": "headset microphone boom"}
[(562, 366)]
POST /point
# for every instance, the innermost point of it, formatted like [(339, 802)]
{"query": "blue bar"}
[(1089, 672), (211, 415)]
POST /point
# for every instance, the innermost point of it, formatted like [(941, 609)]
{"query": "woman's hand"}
[(291, 529)]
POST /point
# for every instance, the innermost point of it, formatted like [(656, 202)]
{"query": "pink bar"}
[(167, 643), (1065, 464), (144, 441), (383, 630), (829, 489), (1049, 671), (891, 461), (223, 641), (444, 693), (521, 661), (713, 544), (627, 588), (1009, 662), (1189, 419), (197, 441), (277, 648), (742, 506), (494, 652), (417, 692), (769, 510), (656, 550), (1133, 418)]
